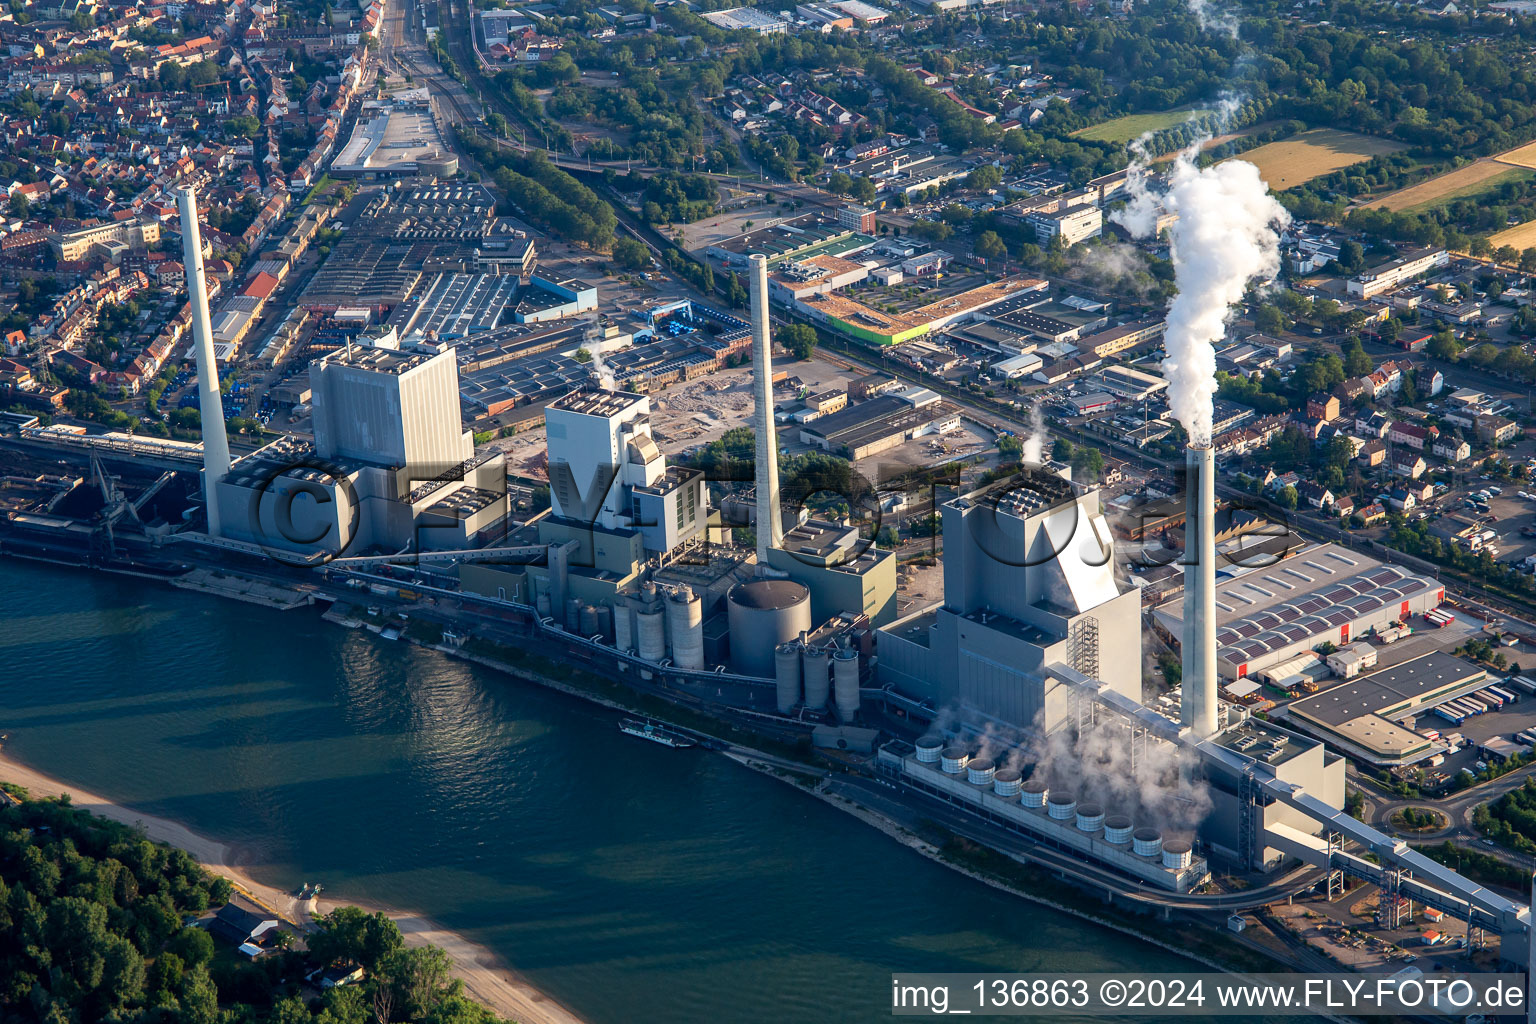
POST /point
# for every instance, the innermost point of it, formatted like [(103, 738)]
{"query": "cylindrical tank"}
[(1035, 793), (845, 683), (437, 164), (954, 760), (928, 748), (817, 677), (573, 614), (1117, 829), (685, 623), (980, 770), (1090, 817), (1006, 782), (541, 604), (1146, 842), (623, 626), (588, 620), (652, 635), (1061, 806), (1176, 854), (605, 620), (786, 672), (763, 614)]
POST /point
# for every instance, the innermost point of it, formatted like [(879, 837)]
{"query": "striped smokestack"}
[(1198, 707)]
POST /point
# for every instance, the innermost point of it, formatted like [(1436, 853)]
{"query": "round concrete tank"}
[(1117, 829), (786, 672), (928, 748), (1146, 842), (541, 605), (1006, 782), (980, 771), (1090, 817), (954, 760), (685, 623), (437, 164), (652, 635), (587, 621), (1035, 793), (1176, 854), (605, 620), (763, 614), (817, 677), (573, 614), (623, 626), (845, 684), (1061, 806)]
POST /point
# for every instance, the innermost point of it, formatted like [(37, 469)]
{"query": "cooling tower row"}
[(808, 674), (1063, 806)]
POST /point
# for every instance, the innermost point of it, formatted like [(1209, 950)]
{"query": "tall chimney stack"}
[(1198, 707), (211, 402), (770, 528)]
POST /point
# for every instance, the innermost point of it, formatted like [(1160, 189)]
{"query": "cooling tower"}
[(770, 529), (210, 401), (1198, 710)]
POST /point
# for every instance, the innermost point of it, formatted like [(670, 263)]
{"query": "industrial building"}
[(396, 137), (877, 424), (1326, 593), (1365, 715)]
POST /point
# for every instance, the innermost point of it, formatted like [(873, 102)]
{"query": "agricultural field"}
[(1312, 154), (1521, 236), (1124, 129), (1525, 156), (1474, 179)]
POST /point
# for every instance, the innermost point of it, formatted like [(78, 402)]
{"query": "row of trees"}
[(545, 194)]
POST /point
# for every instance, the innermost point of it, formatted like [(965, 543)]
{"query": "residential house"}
[(1452, 448), (1411, 435), (1408, 464), (1323, 407), (1496, 429), (1373, 513), (1314, 494)]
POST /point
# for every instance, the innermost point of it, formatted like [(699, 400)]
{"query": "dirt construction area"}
[(1311, 154)]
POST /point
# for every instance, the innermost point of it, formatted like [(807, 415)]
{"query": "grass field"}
[(1312, 154), (1525, 156), (1124, 129), (1464, 182), (1521, 236)]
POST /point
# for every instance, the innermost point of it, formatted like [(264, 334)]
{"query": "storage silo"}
[(953, 760), (786, 672), (928, 748), (845, 683), (1034, 793), (587, 620), (572, 615), (980, 771), (605, 620), (541, 605), (763, 614), (1146, 842), (623, 626), (1177, 854), (1061, 806), (1007, 782), (652, 633), (685, 623), (817, 673)]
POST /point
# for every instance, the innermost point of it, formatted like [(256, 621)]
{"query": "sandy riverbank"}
[(485, 977)]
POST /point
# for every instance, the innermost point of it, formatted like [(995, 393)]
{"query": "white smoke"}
[(605, 376), (1158, 786), (1212, 19), (1034, 444), (1226, 236)]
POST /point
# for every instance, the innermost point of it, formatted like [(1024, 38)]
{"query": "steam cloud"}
[(604, 375), (1034, 444), (1212, 20), (1226, 235)]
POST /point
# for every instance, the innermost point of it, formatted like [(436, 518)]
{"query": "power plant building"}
[(1028, 583)]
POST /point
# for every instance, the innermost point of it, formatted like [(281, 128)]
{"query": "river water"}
[(630, 881)]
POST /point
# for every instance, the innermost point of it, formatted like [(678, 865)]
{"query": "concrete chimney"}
[(211, 402), (770, 527), (1198, 707)]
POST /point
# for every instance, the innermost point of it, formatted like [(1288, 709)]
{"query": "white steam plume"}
[(1225, 236), (1034, 444), (604, 375), (1213, 20)]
